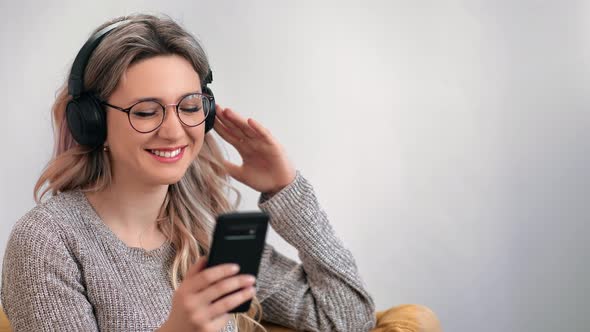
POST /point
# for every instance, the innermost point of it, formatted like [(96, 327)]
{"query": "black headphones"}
[(85, 114)]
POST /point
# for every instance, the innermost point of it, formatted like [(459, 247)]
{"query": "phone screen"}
[(239, 238)]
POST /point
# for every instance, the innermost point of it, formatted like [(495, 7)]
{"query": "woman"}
[(121, 243)]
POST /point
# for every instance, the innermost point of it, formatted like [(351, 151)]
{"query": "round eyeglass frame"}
[(176, 106)]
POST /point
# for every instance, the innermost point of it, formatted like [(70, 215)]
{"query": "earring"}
[(105, 148)]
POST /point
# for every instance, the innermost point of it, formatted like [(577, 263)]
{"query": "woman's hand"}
[(201, 302), (265, 166)]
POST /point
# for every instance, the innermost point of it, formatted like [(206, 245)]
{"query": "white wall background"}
[(449, 141)]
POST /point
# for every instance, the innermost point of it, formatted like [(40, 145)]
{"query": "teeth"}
[(166, 154)]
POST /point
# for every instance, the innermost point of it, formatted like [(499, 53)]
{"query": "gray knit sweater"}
[(65, 270)]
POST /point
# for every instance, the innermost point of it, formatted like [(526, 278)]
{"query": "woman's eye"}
[(144, 114), (190, 109)]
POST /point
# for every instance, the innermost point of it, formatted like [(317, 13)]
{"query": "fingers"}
[(201, 280), (235, 128), (234, 170), (229, 302), (230, 127), (225, 132), (236, 122), (262, 132), (227, 286), (198, 266)]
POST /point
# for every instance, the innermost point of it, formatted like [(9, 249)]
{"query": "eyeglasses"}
[(146, 116)]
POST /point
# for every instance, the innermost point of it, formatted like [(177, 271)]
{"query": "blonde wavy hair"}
[(191, 205)]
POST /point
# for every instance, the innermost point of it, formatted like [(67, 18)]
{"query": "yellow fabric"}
[(404, 318), (407, 318), (4, 326)]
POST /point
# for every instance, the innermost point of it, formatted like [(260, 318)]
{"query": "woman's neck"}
[(131, 211)]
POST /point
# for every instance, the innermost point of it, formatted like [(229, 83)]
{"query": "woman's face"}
[(133, 154)]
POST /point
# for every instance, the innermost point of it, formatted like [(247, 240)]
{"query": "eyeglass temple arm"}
[(115, 107)]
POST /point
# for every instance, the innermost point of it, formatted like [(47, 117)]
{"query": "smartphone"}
[(239, 238)]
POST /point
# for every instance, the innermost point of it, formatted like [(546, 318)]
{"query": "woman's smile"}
[(167, 155)]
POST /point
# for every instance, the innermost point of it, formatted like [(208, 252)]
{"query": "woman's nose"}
[(171, 126)]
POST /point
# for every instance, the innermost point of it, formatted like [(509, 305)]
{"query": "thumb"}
[(234, 170), (197, 267)]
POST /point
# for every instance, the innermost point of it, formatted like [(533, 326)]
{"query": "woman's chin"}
[(162, 179)]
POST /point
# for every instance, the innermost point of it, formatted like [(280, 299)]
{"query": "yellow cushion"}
[(407, 318), (4, 325)]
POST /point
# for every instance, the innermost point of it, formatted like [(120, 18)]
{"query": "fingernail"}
[(235, 268), (250, 279)]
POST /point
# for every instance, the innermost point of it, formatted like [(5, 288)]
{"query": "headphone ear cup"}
[(210, 120), (87, 120)]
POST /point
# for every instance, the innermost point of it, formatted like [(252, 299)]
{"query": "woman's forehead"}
[(164, 77)]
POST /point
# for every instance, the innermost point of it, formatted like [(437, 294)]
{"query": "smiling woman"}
[(135, 185)]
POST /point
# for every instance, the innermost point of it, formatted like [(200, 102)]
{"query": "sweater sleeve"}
[(325, 292), (42, 288)]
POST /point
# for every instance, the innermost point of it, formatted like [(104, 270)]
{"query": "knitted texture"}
[(65, 270)]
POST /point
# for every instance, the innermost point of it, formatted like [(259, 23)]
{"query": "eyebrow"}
[(137, 100)]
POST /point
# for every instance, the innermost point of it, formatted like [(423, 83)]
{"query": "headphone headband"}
[(76, 80), (209, 77)]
